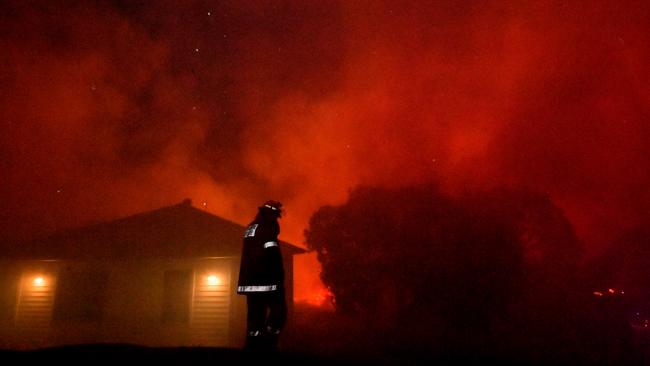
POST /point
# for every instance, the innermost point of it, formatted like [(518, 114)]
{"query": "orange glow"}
[(39, 281), (450, 103), (319, 298), (213, 280)]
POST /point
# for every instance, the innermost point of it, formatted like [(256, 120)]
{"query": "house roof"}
[(178, 231)]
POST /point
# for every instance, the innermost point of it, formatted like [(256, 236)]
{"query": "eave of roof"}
[(178, 231)]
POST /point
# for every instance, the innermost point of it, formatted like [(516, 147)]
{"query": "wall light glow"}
[(39, 281), (213, 280)]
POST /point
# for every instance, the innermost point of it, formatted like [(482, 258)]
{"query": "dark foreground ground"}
[(133, 354), (316, 337), (94, 354), (116, 354)]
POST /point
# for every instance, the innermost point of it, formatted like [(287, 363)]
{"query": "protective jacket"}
[(261, 268)]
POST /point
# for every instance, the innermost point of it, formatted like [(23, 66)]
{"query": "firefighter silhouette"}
[(261, 279)]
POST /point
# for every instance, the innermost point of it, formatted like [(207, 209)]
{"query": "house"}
[(161, 278)]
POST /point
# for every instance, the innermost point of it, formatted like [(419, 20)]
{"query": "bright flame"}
[(39, 281), (320, 298), (213, 280)]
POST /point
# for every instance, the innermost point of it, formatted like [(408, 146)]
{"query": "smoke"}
[(109, 108)]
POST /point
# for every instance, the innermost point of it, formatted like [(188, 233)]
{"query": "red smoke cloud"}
[(115, 108)]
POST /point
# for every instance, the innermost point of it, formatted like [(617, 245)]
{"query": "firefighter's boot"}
[(272, 338), (255, 341)]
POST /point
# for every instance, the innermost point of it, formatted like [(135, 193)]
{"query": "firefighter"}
[(261, 279)]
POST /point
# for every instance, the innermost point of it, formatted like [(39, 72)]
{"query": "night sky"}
[(110, 108)]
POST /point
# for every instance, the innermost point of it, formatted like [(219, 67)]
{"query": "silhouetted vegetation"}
[(491, 274)]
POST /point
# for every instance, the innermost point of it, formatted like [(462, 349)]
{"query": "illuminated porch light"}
[(213, 280), (39, 281)]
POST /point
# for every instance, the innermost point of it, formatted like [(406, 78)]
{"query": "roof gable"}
[(177, 231)]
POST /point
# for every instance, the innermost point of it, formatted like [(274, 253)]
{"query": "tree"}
[(416, 258)]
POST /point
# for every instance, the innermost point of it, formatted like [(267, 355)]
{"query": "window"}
[(80, 296), (177, 293)]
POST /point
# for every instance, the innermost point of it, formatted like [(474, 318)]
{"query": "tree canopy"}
[(417, 257)]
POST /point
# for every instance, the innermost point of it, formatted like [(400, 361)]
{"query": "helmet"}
[(274, 206)]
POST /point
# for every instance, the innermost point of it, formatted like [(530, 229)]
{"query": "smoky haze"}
[(110, 108)]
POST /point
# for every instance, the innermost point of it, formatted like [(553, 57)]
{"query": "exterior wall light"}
[(213, 280)]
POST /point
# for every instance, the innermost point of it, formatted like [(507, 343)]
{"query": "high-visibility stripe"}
[(269, 244), (271, 207), (250, 231), (257, 288)]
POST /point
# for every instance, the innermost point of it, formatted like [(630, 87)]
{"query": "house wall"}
[(288, 280), (132, 294), (9, 281), (132, 310), (28, 290)]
